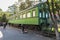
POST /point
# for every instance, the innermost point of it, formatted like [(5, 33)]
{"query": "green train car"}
[(37, 15), (33, 15), (29, 16)]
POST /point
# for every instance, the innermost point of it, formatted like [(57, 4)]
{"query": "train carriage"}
[(31, 16), (36, 17), (28, 17)]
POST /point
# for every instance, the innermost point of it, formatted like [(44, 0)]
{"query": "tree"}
[(4, 19), (53, 18), (25, 5), (0, 9), (13, 8), (28, 3), (57, 8), (22, 6)]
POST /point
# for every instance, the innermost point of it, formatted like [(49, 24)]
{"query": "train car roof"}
[(30, 8)]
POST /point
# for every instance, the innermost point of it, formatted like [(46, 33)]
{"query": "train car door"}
[(43, 19)]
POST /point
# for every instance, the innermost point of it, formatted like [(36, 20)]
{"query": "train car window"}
[(43, 14), (33, 13), (24, 15), (41, 5), (46, 15), (20, 16), (29, 14), (40, 15)]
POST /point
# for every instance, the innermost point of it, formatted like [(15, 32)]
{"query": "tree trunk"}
[(53, 19), (57, 7)]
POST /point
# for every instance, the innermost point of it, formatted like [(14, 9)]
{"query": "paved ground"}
[(16, 34)]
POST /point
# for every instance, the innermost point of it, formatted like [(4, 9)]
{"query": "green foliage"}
[(22, 6), (0, 9), (13, 8), (28, 3), (0, 19), (14, 12), (25, 5), (3, 18)]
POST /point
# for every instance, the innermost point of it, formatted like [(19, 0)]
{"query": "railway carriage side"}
[(29, 16)]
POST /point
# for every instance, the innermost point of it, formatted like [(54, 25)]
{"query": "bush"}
[(3, 18)]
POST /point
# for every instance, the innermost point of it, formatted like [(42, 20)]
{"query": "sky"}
[(4, 4)]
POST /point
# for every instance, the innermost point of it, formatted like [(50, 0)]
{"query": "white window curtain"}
[(34, 13), (20, 16), (40, 15), (28, 14), (24, 15)]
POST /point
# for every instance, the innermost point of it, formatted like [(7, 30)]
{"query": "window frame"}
[(27, 15), (24, 15), (33, 14), (21, 16)]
